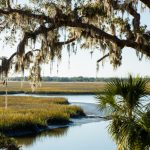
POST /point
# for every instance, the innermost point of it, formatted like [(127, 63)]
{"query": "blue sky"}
[(82, 64)]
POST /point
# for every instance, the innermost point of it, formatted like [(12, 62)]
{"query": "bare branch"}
[(146, 2), (136, 20), (105, 56), (129, 9), (8, 4), (67, 42)]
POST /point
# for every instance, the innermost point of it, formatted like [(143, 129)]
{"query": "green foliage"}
[(123, 101), (8, 143)]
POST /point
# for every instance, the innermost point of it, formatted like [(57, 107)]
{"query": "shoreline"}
[(52, 93), (49, 93), (80, 119), (37, 130)]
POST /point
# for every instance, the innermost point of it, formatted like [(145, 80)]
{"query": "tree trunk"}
[(6, 95)]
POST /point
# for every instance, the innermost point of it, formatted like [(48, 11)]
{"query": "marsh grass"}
[(26, 113), (56, 87)]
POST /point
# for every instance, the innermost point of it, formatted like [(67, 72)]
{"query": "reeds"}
[(31, 112), (49, 87)]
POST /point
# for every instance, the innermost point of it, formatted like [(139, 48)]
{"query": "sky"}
[(82, 64)]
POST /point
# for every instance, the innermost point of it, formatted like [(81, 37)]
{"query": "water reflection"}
[(84, 137), (30, 140), (81, 136)]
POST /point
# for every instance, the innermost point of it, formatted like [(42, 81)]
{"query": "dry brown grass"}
[(54, 87)]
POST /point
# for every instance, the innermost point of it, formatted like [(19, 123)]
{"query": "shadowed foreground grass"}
[(30, 113), (7, 143)]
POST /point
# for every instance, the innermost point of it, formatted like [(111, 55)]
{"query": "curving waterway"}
[(83, 134)]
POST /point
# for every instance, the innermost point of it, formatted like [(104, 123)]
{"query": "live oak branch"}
[(107, 25)]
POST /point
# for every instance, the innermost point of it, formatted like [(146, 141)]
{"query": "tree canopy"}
[(107, 25)]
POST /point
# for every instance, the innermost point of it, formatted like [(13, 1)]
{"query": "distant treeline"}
[(65, 79)]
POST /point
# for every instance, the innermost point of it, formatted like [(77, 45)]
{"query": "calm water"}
[(81, 136), (71, 98), (91, 136)]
